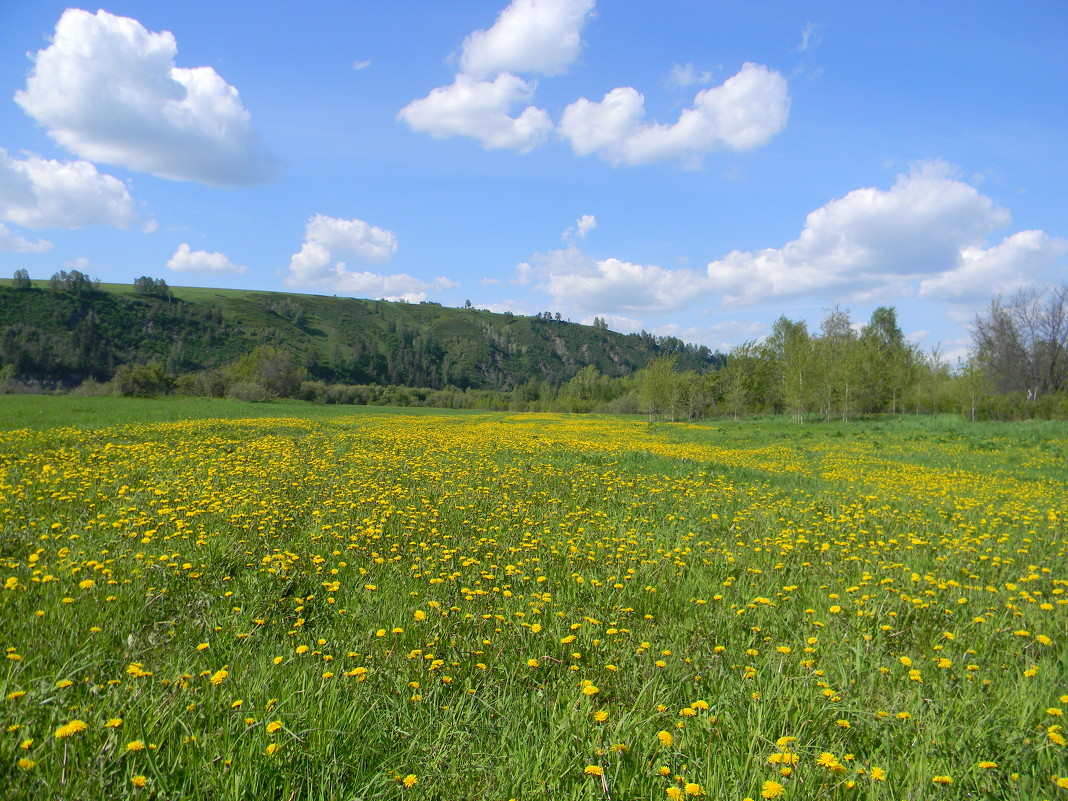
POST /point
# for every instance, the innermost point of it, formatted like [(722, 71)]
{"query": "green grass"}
[(426, 596), (51, 411)]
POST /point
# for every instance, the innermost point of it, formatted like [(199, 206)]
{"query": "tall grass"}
[(527, 606)]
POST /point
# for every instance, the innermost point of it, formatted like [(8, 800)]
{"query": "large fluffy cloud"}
[(108, 90), (929, 226), (530, 36), (318, 266), (744, 112), (981, 272), (44, 193), (539, 36), (186, 260), (583, 284), (480, 109)]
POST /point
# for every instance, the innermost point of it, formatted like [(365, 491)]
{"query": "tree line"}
[(1017, 366)]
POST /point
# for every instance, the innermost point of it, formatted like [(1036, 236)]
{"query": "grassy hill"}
[(66, 336)]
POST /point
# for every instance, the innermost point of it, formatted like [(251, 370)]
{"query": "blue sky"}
[(688, 168)]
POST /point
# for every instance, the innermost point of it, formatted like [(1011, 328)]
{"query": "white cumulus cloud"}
[(480, 109), (44, 193), (108, 90), (317, 265), (539, 36), (744, 112), (929, 229), (19, 244), (583, 225), (982, 272), (578, 282), (529, 36), (186, 260)]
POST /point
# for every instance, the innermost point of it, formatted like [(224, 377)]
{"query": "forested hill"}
[(63, 334)]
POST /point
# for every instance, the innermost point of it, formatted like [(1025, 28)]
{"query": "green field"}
[(214, 600)]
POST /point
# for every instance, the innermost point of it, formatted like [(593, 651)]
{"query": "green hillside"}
[(64, 336)]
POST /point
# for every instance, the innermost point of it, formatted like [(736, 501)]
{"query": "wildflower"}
[(26, 745), (113, 723), (944, 780), (878, 774), (202, 647), (274, 726), (63, 684), (1055, 735), (73, 727), (410, 780), (138, 781), (589, 689), (26, 764), (136, 745), (674, 793), (419, 615), (219, 676), (600, 716), (666, 738), (987, 764), (532, 663), (772, 789), (692, 788), (593, 770), (272, 749)]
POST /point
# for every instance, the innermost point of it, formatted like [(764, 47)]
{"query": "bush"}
[(142, 380), (250, 392)]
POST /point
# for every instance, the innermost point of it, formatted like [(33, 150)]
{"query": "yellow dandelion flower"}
[(532, 663), (943, 780), (878, 774), (70, 728), (666, 738), (272, 749), (600, 716), (593, 770), (772, 789), (694, 789), (274, 726), (986, 764), (138, 781), (26, 764), (135, 745), (410, 780), (674, 793)]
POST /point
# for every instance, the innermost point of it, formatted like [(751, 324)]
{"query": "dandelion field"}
[(496, 606)]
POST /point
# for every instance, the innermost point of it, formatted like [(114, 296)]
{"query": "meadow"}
[(218, 601)]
